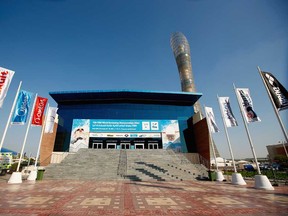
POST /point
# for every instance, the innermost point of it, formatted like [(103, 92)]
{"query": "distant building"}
[(278, 149)]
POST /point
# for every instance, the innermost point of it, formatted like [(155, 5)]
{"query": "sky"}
[(69, 45)]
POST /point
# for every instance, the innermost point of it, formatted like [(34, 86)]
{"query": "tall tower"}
[(181, 50)]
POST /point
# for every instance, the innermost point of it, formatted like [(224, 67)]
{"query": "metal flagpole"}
[(228, 140), (26, 134), (42, 132), (248, 134), (275, 108), (210, 135), (33, 174), (10, 116), (284, 148)]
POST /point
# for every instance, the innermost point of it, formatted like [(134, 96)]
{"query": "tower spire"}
[(181, 50)]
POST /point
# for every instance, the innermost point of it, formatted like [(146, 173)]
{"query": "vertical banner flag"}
[(247, 105), (229, 118), (39, 111), (22, 108), (277, 91), (5, 80), (51, 116), (211, 120)]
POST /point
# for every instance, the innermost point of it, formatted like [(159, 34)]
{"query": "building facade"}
[(123, 120)]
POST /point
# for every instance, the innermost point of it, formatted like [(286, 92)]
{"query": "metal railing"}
[(122, 165), (193, 158)]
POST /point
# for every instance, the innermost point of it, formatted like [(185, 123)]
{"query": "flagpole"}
[(26, 134), (275, 109), (248, 133), (285, 148), (228, 140), (210, 136), (42, 132), (10, 116)]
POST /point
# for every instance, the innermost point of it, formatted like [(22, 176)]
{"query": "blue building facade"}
[(124, 119)]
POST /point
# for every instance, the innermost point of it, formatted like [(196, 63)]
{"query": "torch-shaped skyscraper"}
[(181, 50)]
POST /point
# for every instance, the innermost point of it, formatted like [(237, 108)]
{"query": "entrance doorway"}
[(97, 145), (125, 145), (111, 145), (139, 146), (152, 145)]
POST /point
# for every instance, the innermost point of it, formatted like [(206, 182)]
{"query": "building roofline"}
[(125, 95)]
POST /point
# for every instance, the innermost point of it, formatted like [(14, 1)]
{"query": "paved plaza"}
[(67, 197)]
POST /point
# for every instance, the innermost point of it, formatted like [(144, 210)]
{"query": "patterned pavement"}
[(70, 197)]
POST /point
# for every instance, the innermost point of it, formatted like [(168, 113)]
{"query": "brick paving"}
[(72, 197)]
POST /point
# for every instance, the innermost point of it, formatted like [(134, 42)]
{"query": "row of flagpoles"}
[(20, 111), (278, 96)]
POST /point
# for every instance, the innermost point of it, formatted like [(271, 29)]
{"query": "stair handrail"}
[(122, 164), (202, 160)]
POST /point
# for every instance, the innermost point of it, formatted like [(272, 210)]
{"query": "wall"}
[(68, 112), (47, 146), (201, 137)]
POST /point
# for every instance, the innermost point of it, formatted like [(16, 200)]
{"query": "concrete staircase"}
[(134, 165), (86, 164)]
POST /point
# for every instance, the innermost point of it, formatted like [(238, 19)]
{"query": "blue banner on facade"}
[(125, 125), (22, 108), (83, 129)]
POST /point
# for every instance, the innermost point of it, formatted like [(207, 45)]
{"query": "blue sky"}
[(63, 45)]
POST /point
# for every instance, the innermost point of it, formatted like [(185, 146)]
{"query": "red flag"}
[(39, 111)]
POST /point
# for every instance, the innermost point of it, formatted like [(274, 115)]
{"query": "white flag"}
[(228, 116), (5, 80), (211, 120), (247, 105), (50, 120)]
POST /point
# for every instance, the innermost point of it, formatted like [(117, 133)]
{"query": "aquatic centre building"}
[(126, 119)]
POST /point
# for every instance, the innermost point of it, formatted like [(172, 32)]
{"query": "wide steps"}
[(140, 165)]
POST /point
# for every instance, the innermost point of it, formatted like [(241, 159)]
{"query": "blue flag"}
[(21, 110)]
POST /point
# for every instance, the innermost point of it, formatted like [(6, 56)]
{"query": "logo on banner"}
[(154, 126), (278, 92), (22, 107), (247, 104), (229, 118), (39, 111), (211, 120), (5, 80), (145, 126), (50, 120)]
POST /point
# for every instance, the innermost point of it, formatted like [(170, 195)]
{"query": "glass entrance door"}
[(139, 146), (152, 145), (111, 145), (97, 145), (125, 145)]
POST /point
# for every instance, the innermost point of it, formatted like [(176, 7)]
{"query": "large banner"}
[(5, 80), (278, 92), (83, 129), (247, 105), (50, 119), (228, 116), (211, 120), (22, 108), (39, 111)]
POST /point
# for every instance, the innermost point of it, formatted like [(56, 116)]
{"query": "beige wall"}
[(47, 146)]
